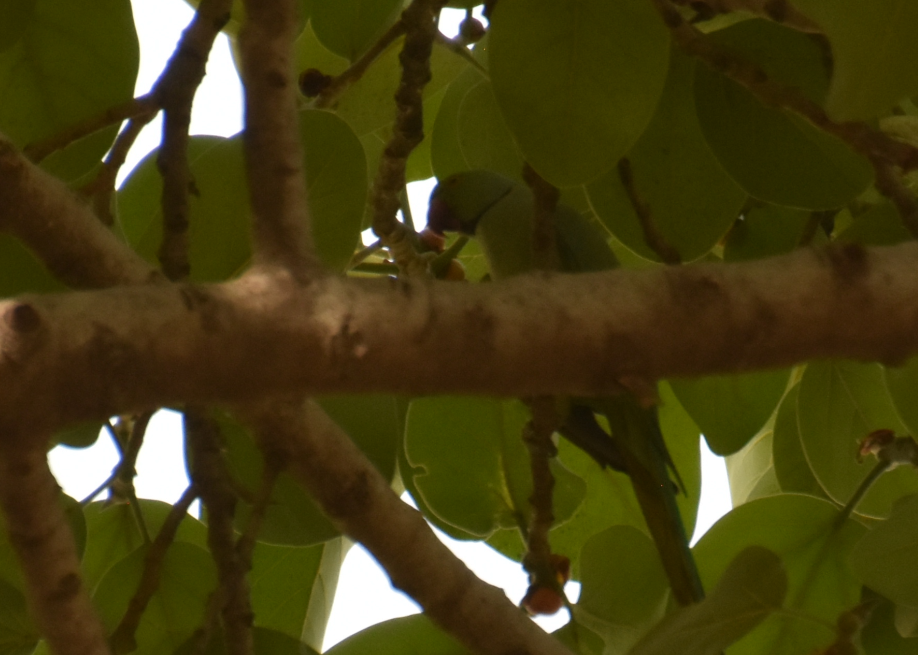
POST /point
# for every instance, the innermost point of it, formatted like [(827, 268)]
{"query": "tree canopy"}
[(751, 163)]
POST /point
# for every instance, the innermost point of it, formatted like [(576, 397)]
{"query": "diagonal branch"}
[(274, 159), (44, 545), (94, 354), (360, 502), (41, 211)]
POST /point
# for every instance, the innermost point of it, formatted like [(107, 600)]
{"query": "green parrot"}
[(498, 212)]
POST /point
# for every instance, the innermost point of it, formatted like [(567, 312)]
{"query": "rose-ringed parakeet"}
[(499, 212)]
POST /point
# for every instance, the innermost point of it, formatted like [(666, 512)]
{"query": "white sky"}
[(364, 596)]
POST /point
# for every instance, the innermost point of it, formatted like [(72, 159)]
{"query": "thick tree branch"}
[(41, 211), (95, 354), (43, 542), (359, 500), (274, 158)]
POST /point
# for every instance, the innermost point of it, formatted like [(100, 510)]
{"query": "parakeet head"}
[(460, 200)]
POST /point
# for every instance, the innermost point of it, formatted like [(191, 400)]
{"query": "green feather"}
[(499, 213)]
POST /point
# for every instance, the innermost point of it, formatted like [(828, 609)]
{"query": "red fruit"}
[(542, 600)]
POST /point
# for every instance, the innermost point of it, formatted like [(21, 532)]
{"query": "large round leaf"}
[(774, 155), (477, 473), (765, 231), (874, 53), (219, 227), (410, 634), (731, 409), (187, 579), (802, 531), (840, 403), (348, 27), (902, 382), (64, 62), (791, 467), (884, 559), (577, 80), (484, 139), (692, 200)]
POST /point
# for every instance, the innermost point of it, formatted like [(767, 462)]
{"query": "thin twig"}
[(421, 30), (342, 82), (209, 474), (545, 202), (102, 187), (175, 92), (282, 226), (879, 469), (113, 115), (652, 236), (361, 255), (885, 153), (245, 545), (123, 639)]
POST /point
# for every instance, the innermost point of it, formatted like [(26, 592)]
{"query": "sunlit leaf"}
[(410, 634), (791, 466), (840, 403), (803, 532), (749, 590), (884, 559), (348, 27), (751, 470)]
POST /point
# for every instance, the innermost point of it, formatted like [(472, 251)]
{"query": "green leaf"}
[(310, 53), (219, 226), (291, 586), (15, 19), (902, 382), (874, 53), (692, 201), (802, 531), (840, 403), (577, 80), (368, 104), (751, 470), (187, 579), (884, 559), (336, 181), (18, 633), (776, 156), (765, 231), (21, 271), (880, 225), (752, 587), (731, 409), (791, 467), (484, 139), (65, 62), (880, 636), (476, 465), (81, 435), (446, 156), (414, 634), (349, 27), (112, 534), (265, 642), (623, 584)]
